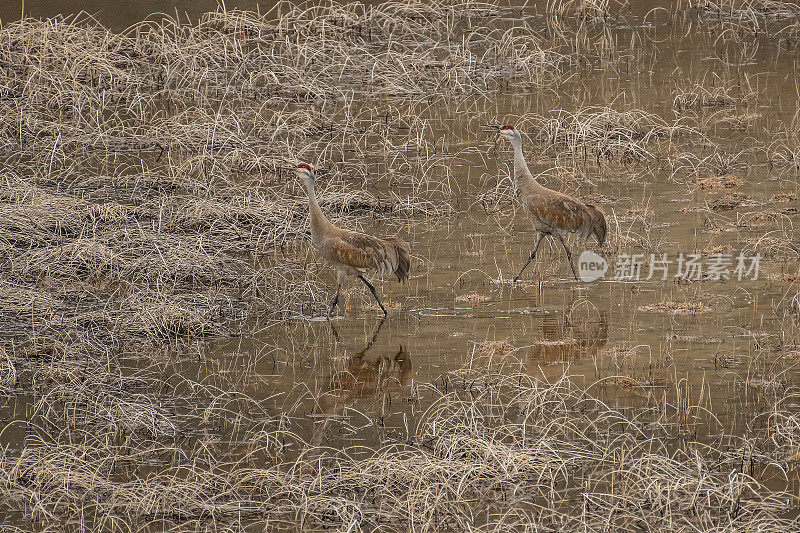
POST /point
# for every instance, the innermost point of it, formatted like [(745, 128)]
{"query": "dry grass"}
[(746, 10), (592, 10), (605, 135), (677, 308), (725, 181), (794, 355), (147, 207), (738, 25), (623, 382), (728, 202), (474, 298), (144, 173), (495, 349), (524, 451), (713, 91)]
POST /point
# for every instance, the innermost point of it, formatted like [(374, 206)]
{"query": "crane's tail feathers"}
[(598, 224), (402, 263)]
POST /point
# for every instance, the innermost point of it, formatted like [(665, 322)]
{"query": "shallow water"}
[(728, 346), (719, 341)]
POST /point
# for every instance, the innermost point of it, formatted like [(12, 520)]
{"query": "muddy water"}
[(117, 16), (363, 381), (372, 374), (720, 344)]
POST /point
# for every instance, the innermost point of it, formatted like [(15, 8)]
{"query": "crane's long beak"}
[(493, 128)]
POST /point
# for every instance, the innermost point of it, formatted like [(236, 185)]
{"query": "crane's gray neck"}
[(318, 219), (521, 172), (308, 183)]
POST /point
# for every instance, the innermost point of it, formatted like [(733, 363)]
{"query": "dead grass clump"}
[(717, 92), (768, 217), (677, 308), (496, 349), (718, 163), (699, 96), (745, 10), (623, 382), (741, 121), (159, 316), (782, 198), (82, 398), (174, 260), (113, 213), (791, 277), (728, 202), (277, 287), (80, 259), (32, 216), (794, 305), (605, 134), (26, 308), (784, 150), (715, 250), (636, 213), (740, 22), (8, 372), (473, 298), (394, 49), (592, 10), (725, 181)]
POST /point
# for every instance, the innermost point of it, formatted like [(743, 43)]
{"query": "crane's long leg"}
[(533, 254), (375, 294), (569, 255), (335, 301)]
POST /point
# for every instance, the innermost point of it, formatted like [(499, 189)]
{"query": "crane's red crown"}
[(507, 127), (305, 166)]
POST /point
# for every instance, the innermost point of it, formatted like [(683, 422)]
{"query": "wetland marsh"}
[(166, 364)]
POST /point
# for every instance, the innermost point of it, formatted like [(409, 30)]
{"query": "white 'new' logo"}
[(591, 266)]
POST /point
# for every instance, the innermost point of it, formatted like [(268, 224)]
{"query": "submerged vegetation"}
[(149, 216)]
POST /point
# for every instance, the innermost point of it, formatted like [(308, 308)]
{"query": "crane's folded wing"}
[(362, 251), (560, 212)]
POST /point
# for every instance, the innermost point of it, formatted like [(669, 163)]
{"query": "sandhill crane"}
[(551, 212), (351, 252)]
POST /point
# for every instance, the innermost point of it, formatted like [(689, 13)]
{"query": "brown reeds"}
[(530, 454), (147, 208)]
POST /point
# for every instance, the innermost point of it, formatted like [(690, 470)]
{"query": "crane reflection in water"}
[(371, 372)]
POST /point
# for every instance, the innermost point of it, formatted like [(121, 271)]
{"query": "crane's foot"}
[(334, 302), (531, 258), (385, 313), (574, 274)]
